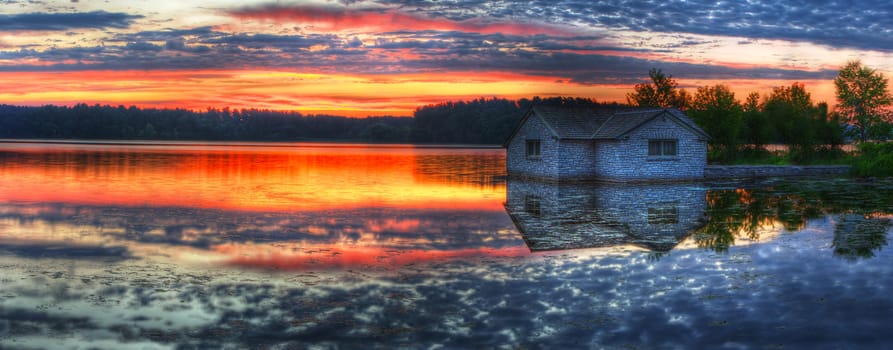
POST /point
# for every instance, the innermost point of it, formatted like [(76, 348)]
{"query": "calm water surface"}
[(162, 246)]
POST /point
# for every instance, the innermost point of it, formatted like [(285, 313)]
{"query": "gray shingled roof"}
[(622, 123), (572, 122), (603, 123)]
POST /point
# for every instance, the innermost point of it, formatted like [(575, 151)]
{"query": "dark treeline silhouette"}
[(107, 122), (480, 121)]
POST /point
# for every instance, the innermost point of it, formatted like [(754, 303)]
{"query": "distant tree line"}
[(480, 121), (107, 122)]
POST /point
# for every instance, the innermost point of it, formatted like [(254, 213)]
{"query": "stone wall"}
[(755, 171), (516, 161), (577, 159), (628, 159)]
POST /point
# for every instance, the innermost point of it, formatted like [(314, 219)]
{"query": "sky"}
[(388, 57)]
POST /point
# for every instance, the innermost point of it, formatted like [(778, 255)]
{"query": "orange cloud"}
[(309, 93), (354, 95)]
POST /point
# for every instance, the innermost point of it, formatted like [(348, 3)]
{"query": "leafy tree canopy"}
[(716, 110), (662, 92), (862, 98)]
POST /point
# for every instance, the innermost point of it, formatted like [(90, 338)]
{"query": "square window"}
[(661, 147)]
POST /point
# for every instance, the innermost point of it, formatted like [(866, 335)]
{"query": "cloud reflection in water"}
[(788, 292)]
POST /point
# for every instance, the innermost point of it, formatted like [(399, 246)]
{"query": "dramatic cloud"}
[(66, 21), (860, 24), (380, 19), (573, 44), (579, 59)]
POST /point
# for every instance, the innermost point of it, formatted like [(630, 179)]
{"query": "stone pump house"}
[(608, 144)]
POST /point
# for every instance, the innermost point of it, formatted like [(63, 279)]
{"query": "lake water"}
[(174, 245)]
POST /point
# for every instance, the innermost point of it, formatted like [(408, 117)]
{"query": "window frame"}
[(663, 148), (531, 145)]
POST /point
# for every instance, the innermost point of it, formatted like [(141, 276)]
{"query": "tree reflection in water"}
[(857, 236), (761, 207)]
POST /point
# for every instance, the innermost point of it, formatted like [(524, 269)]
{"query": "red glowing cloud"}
[(382, 20)]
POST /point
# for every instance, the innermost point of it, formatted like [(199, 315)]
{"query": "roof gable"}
[(622, 124), (518, 127)]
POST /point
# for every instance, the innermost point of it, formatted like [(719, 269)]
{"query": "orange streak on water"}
[(249, 179)]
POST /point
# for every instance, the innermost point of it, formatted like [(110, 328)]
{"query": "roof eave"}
[(505, 143), (530, 111), (693, 126)]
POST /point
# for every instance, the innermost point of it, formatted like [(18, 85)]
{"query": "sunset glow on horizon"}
[(389, 57)]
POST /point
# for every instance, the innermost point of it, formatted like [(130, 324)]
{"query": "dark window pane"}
[(533, 148), (669, 148), (653, 148), (662, 147)]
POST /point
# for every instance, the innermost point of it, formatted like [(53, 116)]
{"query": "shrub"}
[(875, 159)]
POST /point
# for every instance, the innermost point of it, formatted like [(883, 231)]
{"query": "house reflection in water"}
[(554, 216)]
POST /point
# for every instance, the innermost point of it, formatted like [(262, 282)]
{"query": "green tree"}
[(829, 129), (800, 123), (756, 130), (662, 92), (717, 111), (862, 97), (787, 110)]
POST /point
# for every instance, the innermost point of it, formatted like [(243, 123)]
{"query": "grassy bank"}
[(760, 156), (874, 159)]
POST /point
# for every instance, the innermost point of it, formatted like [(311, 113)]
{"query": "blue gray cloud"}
[(573, 58), (854, 24), (66, 21)]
